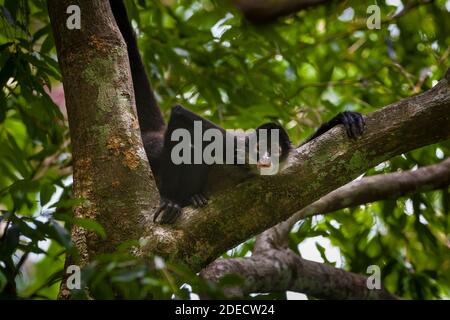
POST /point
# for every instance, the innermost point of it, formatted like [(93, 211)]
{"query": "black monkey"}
[(183, 184)]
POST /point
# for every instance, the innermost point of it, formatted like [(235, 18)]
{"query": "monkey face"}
[(266, 148)]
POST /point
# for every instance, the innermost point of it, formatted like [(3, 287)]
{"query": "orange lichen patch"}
[(135, 124), (89, 210), (131, 159), (117, 147), (115, 184), (114, 144), (83, 174), (99, 44), (83, 164)]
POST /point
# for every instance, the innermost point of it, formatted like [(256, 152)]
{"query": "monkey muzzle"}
[(264, 162)]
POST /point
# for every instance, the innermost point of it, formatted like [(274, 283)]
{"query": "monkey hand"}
[(199, 200), (170, 211), (353, 123)]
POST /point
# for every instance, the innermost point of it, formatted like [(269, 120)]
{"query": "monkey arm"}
[(185, 118), (353, 123)]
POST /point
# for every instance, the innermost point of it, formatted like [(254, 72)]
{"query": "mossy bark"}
[(111, 170)]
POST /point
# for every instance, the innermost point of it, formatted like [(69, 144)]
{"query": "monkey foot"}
[(170, 211), (199, 200), (353, 122)]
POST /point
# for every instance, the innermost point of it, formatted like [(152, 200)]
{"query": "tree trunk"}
[(111, 170)]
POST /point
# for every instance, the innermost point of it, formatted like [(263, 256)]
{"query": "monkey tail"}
[(149, 113)]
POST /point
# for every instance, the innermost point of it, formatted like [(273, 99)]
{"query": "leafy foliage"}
[(122, 276), (298, 71)]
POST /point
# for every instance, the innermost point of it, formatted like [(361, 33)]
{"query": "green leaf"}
[(10, 17), (48, 44), (7, 71), (67, 203), (46, 193), (231, 280), (5, 45), (60, 234), (322, 250), (91, 225)]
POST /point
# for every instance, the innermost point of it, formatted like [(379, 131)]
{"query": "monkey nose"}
[(264, 162)]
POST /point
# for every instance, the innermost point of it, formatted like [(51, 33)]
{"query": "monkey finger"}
[(195, 201), (361, 124), (156, 214), (171, 214), (165, 218), (176, 211), (203, 199), (355, 124), (346, 123), (160, 209), (364, 122)]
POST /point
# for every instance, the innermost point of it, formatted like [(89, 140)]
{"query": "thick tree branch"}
[(315, 169), (278, 270), (265, 11), (366, 190)]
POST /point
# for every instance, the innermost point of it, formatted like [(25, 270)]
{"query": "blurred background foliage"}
[(299, 71)]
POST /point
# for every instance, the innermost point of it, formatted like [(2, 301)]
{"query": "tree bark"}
[(111, 171), (278, 270)]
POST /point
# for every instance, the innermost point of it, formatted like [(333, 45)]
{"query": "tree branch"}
[(265, 11), (366, 190), (278, 270), (314, 169)]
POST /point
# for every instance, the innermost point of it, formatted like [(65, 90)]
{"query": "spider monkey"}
[(184, 184)]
